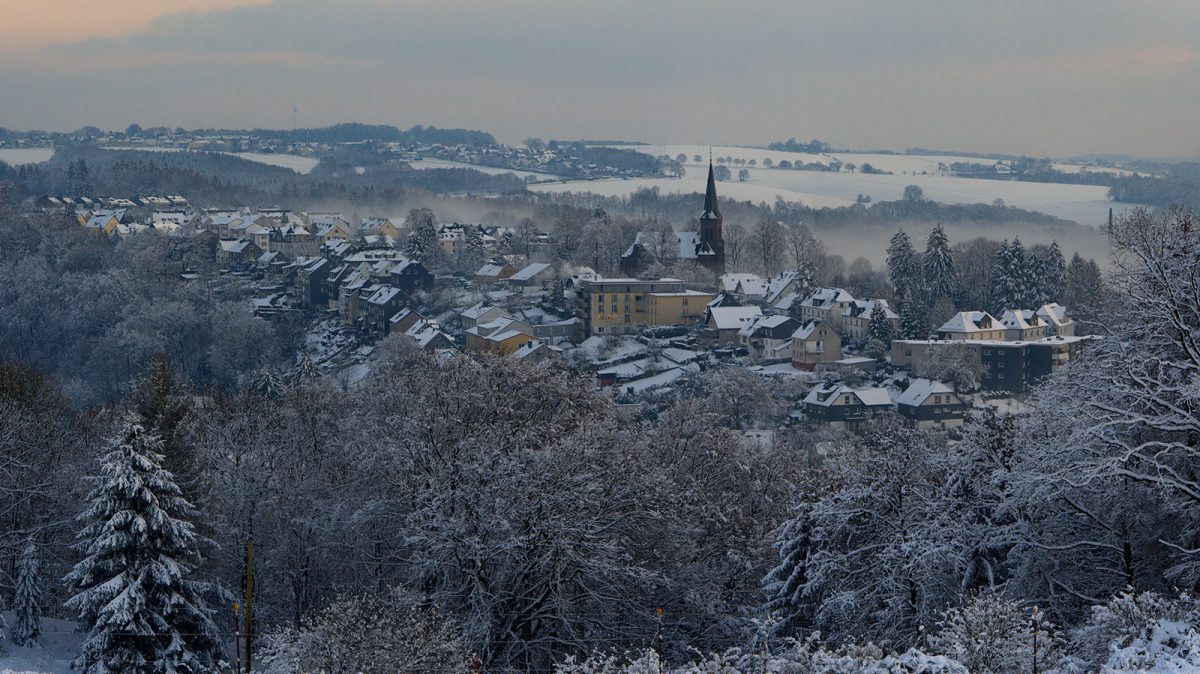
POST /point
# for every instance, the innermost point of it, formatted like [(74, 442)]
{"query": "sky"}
[(1040, 77)]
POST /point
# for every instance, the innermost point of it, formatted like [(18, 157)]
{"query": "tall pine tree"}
[(422, 239), (904, 268), (1053, 279), (27, 604), (879, 326), (1011, 278), (142, 612), (941, 278), (914, 317)]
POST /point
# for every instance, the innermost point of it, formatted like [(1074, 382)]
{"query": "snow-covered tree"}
[(904, 266), (941, 278), (304, 370), (1125, 634), (27, 601), (422, 243), (879, 326), (133, 588), (955, 364), (472, 255), (993, 634), (884, 558), (1011, 279), (1050, 274), (914, 316)]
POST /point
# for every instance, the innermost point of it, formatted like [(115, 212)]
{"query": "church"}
[(706, 247)]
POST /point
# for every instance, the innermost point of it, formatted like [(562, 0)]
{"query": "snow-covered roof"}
[(826, 297), (730, 281), (763, 323), (1020, 319), (384, 295), (806, 329), (968, 321), (920, 389), (863, 308), (733, 318), (826, 395), (1054, 313), (528, 272), (490, 270)]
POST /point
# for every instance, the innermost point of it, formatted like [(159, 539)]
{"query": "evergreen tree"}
[(1053, 279), (472, 254), (941, 278), (304, 370), (79, 184), (1010, 278), (904, 267), (879, 327), (422, 239), (914, 317), (27, 604), (142, 612), (784, 585)]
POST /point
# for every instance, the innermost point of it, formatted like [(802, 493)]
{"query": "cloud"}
[(1023, 75)]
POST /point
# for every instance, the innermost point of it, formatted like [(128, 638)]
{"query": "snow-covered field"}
[(16, 156), (421, 164), (1087, 204), (302, 165)]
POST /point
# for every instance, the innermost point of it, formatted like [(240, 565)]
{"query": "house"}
[(538, 351), (856, 319), (843, 407), (931, 403), (747, 288), (237, 254), (621, 305), (294, 241), (531, 278), (1012, 367), (977, 325), (781, 292), (410, 276), (722, 324), (1022, 325), (493, 272), (1058, 323), (481, 313), (429, 336), (381, 227), (769, 337), (311, 274), (813, 343), (381, 306), (337, 230), (103, 221), (827, 304), (501, 336), (403, 320)]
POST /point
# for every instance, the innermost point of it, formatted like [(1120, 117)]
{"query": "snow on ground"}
[(747, 191), (1087, 204), (143, 148), (746, 153), (422, 164), (16, 156), (57, 647), (302, 165)]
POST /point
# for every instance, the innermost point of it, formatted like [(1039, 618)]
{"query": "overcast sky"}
[(1044, 77)]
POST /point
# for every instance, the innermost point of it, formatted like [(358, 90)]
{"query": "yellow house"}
[(675, 308), (622, 305), (501, 336)]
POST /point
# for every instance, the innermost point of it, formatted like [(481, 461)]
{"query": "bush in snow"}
[(368, 635), (806, 657), (142, 612), (992, 634), (1136, 628)]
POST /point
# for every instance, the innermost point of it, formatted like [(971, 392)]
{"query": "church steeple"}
[(712, 210)]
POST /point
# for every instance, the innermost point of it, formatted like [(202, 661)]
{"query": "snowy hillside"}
[(301, 165), (19, 156), (53, 655)]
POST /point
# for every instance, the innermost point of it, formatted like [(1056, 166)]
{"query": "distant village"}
[(366, 279)]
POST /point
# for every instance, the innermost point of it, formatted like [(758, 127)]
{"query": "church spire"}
[(712, 211)]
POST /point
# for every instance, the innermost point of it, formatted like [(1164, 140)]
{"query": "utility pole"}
[(249, 594), (1035, 635)]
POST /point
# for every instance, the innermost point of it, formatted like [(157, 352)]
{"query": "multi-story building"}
[(623, 305), (843, 407)]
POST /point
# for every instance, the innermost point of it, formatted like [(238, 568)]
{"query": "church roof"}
[(712, 210)]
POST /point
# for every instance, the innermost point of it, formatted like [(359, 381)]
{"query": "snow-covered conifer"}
[(27, 604), (142, 611)]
